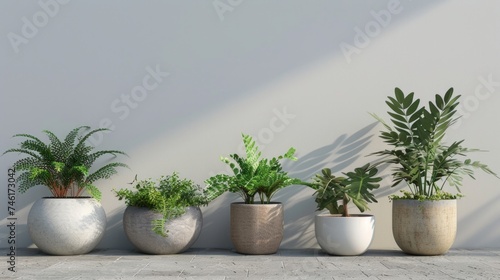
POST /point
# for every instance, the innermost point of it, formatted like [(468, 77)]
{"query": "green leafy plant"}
[(169, 195), (421, 158), (252, 175), (357, 187), (63, 166)]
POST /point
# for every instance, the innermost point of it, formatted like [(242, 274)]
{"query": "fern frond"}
[(60, 165), (91, 158), (93, 191), (104, 172)]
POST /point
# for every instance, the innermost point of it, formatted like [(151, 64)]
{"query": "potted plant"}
[(256, 226), (163, 216), (339, 232), (68, 223), (424, 218)]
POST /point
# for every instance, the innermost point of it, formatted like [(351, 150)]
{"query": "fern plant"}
[(169, 195), (252, 175), (64, 166), (421, 158), (357, 187)]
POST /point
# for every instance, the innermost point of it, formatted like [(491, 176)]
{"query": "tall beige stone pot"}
[(424, 227), (66, 226), (256, 229), (182, 231)]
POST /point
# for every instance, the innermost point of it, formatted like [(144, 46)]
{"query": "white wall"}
[(280, 71)]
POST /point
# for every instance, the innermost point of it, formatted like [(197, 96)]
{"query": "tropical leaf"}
[(357, 187), (252, 175), (420, 158)]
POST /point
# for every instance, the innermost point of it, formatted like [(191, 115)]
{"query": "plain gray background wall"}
[(179, 81)]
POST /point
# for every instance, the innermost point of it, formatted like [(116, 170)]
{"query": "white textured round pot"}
[(182, 231), (256, 229), (424, 227), (344, 236), (66, 226)]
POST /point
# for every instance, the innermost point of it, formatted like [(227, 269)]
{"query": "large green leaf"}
[(357, 187), (252, 175), (420, 158)]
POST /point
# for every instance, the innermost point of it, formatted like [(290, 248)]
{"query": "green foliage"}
[(357, 187), (436, 196), (63, 166), (252, 175), (421, 158), (169, 195)]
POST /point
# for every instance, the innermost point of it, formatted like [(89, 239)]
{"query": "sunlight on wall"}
[(277, 74)]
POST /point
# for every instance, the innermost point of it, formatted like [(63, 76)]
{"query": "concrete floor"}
[(226, 264)]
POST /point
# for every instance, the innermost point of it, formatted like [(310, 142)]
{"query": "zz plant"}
[(252, 175), (418, 152), (357, 187), (169, 195), (64, 166)]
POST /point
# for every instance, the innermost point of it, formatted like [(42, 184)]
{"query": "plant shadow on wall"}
[(301, 207), (226, 79)]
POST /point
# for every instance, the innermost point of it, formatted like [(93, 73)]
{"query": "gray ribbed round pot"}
[(256, 229), (424, 227), (183, 231), (66, 226)]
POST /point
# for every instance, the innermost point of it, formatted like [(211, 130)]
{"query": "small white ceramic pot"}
[(344, 236)]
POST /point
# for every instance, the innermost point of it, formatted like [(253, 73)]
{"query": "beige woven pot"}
[(424, 227), (256, 229)]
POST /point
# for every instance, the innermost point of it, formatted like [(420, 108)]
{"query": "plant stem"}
[(344, 204)]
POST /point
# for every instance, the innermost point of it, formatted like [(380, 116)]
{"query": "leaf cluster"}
[(64, 166), (252, 175), (169, 195), (420, 157), (356, 186), (435, 196)]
